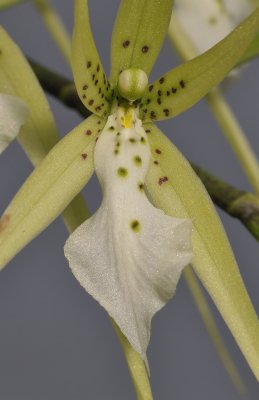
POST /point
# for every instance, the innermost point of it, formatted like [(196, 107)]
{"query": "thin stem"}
[(212, 329), (221, 110), (235, 136), (55, 27)]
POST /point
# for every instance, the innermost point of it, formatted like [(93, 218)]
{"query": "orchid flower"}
[(13, 113), (129, 255), (208, 21)]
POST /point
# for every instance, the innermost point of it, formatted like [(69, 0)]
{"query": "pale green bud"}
[(132, 83)]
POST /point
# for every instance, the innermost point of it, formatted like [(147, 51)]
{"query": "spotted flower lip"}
[(13, 113), (129, 255)]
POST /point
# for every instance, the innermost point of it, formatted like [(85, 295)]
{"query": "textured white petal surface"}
[(129, 255), (13, 113), (209, 21)]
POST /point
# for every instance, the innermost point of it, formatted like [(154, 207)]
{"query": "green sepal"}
[(39, 133), (91, 82), (173, 186), (182, 87), (138, 35), (251, 52), (8, 3), (49, 189)]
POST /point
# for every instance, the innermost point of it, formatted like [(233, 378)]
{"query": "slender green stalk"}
[(55, 27), (212, 329), (221, 110), (235, 136)]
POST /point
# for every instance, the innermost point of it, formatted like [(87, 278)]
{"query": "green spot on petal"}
[(122, 172), (135, 225)]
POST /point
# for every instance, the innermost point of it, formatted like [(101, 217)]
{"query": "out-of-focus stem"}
[(55, 27), (235, 136)]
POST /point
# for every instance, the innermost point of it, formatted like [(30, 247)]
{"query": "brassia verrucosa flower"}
[(209, 21), (129, 255)]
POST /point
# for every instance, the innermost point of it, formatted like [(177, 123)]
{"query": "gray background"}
[(56, 342)]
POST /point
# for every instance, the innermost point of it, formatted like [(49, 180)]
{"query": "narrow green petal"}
[(92, 85), (38, 134), (213, 331), (7, 3), (174, 187), (49, 189), (251, 52), (182, 87), (136, 367), (138, 34)]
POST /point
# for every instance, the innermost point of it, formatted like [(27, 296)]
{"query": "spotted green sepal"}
[(39, 134), (138, 34), (49, 189), (182, 87), (7, 3), (173, 186), (91, 82), (251, 52)]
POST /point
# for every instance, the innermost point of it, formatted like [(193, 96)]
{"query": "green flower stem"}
[(235, 136), (211, 326), (235, 202), (221, 110), (55, 27)]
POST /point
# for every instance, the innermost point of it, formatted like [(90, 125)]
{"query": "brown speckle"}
[(151, 88), (159, 101), (4, 221), (162, 180), (161, 80), (158, 151), (145, 49), (182, 83), (148, 130), (89, 64), (166, 112), (156, 162), (98, 68), (174, 90), (84, 156), (88, 132), (84, 96), (126, 44), (159, 92), (91, 102), (153, 115), (85, 87)]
